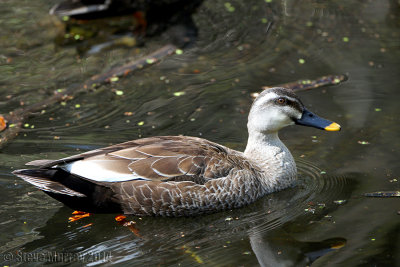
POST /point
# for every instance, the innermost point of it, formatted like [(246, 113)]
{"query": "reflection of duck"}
[(280, 249), (178, 176)]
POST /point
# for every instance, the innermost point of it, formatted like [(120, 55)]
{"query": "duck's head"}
[(276, 108)]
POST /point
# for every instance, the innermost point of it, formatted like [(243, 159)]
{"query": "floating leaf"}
[(119, 92), (3, 123), (179, 51), (120, 218), (150, 60), (140, 123), (302, 60), (114, 79), (363, 142), (193, 254), (229, 7), (311, 210), (340, 202), (179, 93)]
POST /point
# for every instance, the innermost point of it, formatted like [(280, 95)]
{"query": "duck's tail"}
[(42, 179), (72, 190)]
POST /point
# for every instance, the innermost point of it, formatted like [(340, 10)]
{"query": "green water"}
[(237, 51)]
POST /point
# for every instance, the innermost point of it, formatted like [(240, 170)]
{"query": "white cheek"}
[(297, 115), (280, 119), (269, 120)]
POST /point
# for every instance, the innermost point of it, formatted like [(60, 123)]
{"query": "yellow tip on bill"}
[(332, 127)]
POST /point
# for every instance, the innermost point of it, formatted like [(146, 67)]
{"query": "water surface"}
[(237, 51)]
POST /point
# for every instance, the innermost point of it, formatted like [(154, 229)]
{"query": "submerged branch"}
[(304, 85), (11, 123), (383, 194)]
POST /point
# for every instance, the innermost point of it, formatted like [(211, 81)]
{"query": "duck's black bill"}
[(310, 119)]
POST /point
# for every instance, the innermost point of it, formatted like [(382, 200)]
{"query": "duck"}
[(176, 176)]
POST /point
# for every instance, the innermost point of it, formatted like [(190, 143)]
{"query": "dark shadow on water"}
[(125, 24)]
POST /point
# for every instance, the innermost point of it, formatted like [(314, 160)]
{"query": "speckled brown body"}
[(188, 198)]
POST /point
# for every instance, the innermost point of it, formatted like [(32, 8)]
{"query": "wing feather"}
[(164, 158)]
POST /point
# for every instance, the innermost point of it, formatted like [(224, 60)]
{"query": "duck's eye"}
[(281, 101)]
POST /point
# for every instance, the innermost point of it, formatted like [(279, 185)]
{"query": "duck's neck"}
[(268, 151)]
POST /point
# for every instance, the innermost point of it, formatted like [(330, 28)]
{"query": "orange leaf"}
[(3, 123)]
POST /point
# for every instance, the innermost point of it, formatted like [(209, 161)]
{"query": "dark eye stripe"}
[(294, 105), (291, 99)]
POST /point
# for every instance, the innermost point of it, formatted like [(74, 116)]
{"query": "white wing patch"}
[(94, 170)]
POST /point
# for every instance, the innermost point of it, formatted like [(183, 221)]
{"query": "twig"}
[(303, 85), (97, 80), (383, 194)]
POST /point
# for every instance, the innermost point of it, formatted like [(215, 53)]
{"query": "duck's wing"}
[(168, 158)]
